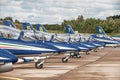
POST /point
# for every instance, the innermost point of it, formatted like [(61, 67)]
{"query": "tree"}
[(8, 18), (17, 21)]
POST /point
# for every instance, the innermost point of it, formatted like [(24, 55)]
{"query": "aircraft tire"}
[(38, 65)]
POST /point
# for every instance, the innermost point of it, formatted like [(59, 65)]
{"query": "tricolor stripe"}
[(21, 47)]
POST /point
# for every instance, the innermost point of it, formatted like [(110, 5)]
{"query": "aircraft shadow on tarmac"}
[(24, 67), (52, 67)]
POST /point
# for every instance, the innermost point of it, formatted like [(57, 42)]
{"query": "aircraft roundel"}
[(100, 30), (28, 27), (68, 29), (40, 29)]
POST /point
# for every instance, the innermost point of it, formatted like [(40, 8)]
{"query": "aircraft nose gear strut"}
[(65, 59)]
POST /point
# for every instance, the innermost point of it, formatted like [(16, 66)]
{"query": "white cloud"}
[(55, 11)]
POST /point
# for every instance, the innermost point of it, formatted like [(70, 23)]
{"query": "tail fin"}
[(69, 29), (27, 26), (100, 30), (40, 28), (8, 23)]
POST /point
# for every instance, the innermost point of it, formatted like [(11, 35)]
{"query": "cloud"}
[(55, 11)]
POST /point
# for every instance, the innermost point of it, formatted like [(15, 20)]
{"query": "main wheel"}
[(38, 65), (64, 60)]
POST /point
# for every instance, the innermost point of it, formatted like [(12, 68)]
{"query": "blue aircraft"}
[(109, 41), (102, 33), (6, 60)]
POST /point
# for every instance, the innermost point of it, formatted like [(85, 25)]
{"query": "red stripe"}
[(4, 47)]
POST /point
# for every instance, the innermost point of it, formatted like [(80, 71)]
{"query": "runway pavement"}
[(101, 65)]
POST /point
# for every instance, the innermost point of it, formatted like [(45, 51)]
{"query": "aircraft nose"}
[(7, 56), (14, 59)]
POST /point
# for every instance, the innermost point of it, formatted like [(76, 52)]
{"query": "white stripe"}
[(82, 48), (106, 40), (96, 44), (2, 58), (88, 45), (62, 47)]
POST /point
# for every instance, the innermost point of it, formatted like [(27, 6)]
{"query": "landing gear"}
[(39, 65)]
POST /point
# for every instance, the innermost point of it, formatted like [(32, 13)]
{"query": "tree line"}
[(111, 24)]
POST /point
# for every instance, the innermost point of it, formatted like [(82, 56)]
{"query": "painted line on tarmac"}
[(11, 78)]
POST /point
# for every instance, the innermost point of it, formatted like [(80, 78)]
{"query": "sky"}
[(55, 11)]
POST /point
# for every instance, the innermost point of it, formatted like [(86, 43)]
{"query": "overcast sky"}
[(55, 11)]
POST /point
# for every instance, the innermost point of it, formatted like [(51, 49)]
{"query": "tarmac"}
[(101, 65)]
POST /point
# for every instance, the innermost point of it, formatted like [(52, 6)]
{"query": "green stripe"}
[(15, 45)]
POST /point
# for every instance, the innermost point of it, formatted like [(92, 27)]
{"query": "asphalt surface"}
[(101, 65)]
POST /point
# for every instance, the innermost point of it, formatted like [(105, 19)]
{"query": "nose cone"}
[(117, 42), (66, 47), (6, 56), (89, 45), (112, 42), (103, 44), (76, 47), (81, 47), (51, 47), (100, 43)]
